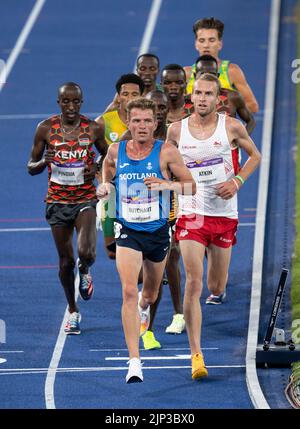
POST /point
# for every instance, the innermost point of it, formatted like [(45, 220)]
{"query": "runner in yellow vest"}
[(208, 41)]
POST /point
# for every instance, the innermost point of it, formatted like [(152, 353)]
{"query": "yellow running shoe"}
[(198, 366), (149, 341)]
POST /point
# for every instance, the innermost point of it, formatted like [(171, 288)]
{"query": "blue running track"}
[(93, 43)]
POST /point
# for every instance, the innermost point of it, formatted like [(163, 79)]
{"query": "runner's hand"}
[(49, 156), (103, 191), (89, 172), (156, 184), (227, 190)]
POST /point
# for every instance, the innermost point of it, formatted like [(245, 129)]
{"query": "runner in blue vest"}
[(142, 168)]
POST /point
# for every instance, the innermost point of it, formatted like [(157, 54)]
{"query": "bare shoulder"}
[(168, 149), (43, 127), (236, 74), (173, 133), (235, 128), (113, 150)]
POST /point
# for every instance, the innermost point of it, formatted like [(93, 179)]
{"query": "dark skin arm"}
[(40, 155), (242, 110), (102, 148)]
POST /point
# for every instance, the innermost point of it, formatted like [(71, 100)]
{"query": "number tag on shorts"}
[(67, 174), (140, 210)]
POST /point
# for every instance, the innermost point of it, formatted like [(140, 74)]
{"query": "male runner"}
[(64, 144), (230, 101), (209, 219), (147, 68), (113, 122), (173, 82), (142, 167), (209, 40)]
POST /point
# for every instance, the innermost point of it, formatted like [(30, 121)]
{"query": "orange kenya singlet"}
[(65, 174)]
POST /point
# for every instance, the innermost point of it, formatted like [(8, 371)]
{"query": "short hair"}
[(141, 103), (209, 24), (148, 56), (206, 57), (156, 92), (69, 84), (130, 78), (173, 67), (210, 78)]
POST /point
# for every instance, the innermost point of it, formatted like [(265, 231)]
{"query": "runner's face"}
[(128, 92), (70, 100), (147, 69), (204, 97), (161, 102), (142, 124), (173, 83), (208, 43)]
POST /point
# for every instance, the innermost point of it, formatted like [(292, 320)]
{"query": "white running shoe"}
[(177, 326), (135, 373), (144, 315)]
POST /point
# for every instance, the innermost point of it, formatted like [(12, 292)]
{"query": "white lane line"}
[(177, 357), (11, 351), (24, 229), (21, 41), (164, 349), (149, 29), (58, 349), (23, 371), (39, 115), (257, 397), (49, 229), (2, 360)]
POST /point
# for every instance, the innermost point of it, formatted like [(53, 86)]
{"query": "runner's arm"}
[(243, 112), (238, 79), (239, 137), (172, 162), (39, 158), (108, 171)]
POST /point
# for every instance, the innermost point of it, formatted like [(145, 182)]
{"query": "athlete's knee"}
[(193, 286), (130, 292)]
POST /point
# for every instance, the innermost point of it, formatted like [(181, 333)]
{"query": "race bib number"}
[(140, 210), (67, 174), (211, 170)]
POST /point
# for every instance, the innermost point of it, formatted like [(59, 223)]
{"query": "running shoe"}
[(135, 373), (150, 342), (86, 287), (144, 315), (177, 326), (199, 369), (216, 299), (73, 324)]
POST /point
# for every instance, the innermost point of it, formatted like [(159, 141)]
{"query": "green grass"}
[(295, 292)]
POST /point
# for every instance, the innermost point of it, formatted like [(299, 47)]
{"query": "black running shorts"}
[(154, 246), (66, 214)]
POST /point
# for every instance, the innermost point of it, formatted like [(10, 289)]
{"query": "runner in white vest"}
[(208, 219)]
